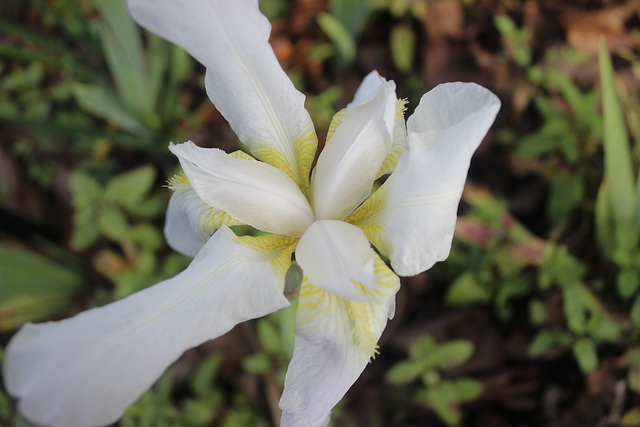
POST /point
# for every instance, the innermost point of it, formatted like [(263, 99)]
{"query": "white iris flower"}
[(87, 370)]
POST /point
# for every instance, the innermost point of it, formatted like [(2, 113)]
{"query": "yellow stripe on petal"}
[(336, 121), (239, 154), (211, 219), (296, 165), (277, 248), (399, 145), (306, 145), (368, 217), (364, 321)]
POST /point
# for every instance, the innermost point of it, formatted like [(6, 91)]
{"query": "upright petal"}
[(337, 257), (354, 153), (334, 340), (366, 89), (244, 79), (87, 370), (252, 192), (411, 218), (190, 221)]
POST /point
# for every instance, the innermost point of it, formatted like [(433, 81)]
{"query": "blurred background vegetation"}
[(534, 319)]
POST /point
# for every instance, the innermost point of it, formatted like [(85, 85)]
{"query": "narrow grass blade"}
[(617, 157)]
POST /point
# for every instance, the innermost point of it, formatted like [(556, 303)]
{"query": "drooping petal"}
[(252, 192), (190, 221), (411, 218), (334, 340), (337, 257), (244, 79), (86, 370), (354, 153)]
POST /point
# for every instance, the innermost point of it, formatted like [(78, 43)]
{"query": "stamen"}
[(401, 107), (176, 181)]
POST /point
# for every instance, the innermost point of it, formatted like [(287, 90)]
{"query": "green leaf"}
[(635, 312), (205, 374), (423, 346), (566, 193), (466, 290), (198, 412), (512, 288), (340, 37), (451, 353), (604, 220), (545, 340), (403, 47), (85, 228), (86, 193), (445, 397), (560, 267), (33, 287), (113, 223), (258, 363), (617, 156), (584, 350), (627, 282), (129, 189), (406, 371), (351, 13), (103, 103), (537, 312), (516, 39), (467, 389), (122, 46)]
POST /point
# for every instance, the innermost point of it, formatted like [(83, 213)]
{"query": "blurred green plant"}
[(146, 87), (617, 211), (495, 252), (205, 404), (517, 41), (570, 132), (275, 334), (140, 99), (503, 262), (427, 361), (342, 25), (122, 211), (34, 287)]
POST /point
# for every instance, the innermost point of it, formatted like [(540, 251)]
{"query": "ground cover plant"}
[(533, 320)]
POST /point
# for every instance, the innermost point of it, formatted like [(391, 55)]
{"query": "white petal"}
[(335, 339), (86, 370), (244, 79), (252, 192), (411, 218), (368, 88), (337, 257), (350, 160), (190, 221)]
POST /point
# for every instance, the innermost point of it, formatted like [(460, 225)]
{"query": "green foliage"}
[(516, 40), (121, 211), (339, 35), (102, 89), (33, 287), (275, 336), (403, 47), (427, 360), (494, 251)]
